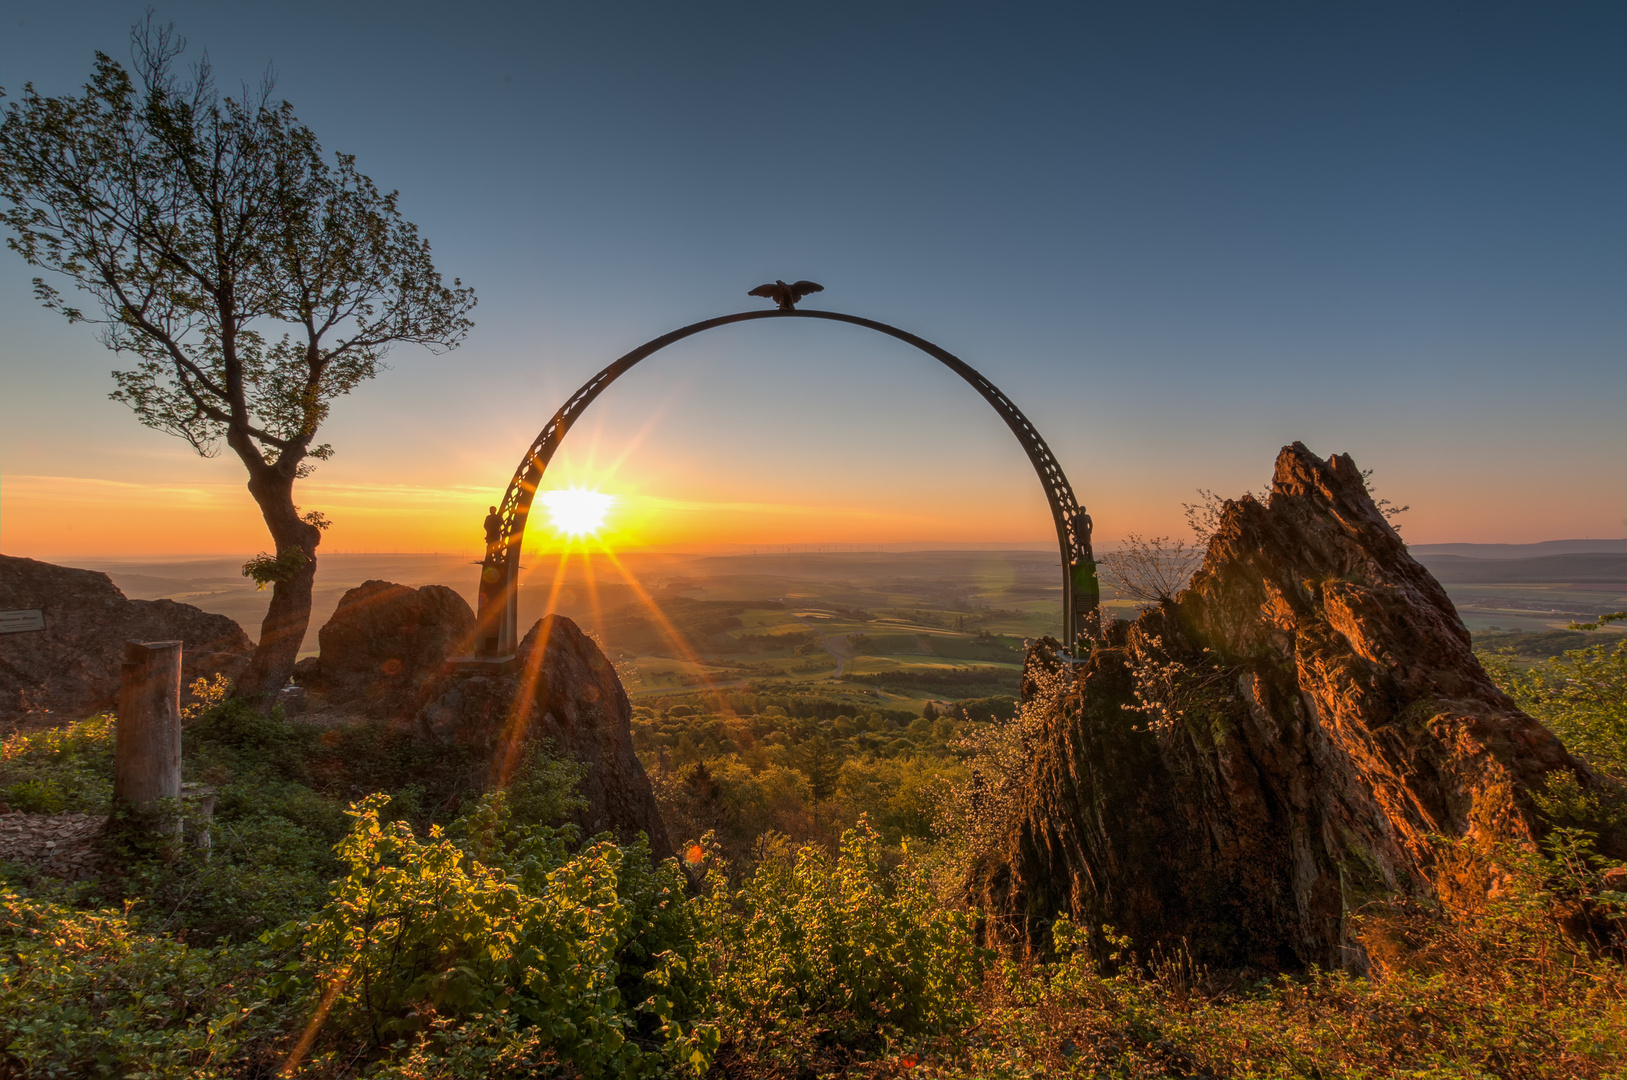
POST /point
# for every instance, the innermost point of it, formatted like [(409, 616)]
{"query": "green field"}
[(900, 629)]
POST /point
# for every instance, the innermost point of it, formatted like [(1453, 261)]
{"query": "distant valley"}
[(906, 627)]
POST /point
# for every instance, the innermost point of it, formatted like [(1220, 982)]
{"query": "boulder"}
[(70, 669), (386, 646), (387, 653), (561, 690), (1301, 731)]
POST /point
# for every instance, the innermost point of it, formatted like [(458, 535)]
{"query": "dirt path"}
[(842, 652)]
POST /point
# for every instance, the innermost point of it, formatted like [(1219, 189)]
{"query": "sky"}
[(1177, 235)]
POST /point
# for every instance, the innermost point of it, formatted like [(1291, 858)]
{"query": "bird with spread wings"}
[(786, 296)]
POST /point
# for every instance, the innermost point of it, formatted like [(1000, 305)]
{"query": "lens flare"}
[(577, 511)]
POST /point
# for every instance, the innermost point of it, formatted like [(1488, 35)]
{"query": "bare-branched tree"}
[(1152, 570), (1385, 506), (252, 279)]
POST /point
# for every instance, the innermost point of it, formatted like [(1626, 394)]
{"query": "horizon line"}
[(797, 548)]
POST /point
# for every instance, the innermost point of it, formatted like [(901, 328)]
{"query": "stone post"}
[(147, 747)]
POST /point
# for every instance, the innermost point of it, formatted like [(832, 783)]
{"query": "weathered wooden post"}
[(147, 745)]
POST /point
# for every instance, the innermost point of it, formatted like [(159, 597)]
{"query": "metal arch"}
[(499, 592)]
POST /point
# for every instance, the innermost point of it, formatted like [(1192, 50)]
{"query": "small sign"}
[(20, 622)]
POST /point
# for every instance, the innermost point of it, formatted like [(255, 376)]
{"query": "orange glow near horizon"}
[(661, 504), (52, 517)]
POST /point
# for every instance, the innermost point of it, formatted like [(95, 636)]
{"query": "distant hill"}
[(1520, 551), (1581, 568)]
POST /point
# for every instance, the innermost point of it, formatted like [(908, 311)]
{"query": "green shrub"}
[(234, 740), (68, 769), (367, 757), (811, 942), (37, 795), (543, 788), (426, 953), (657, 955), (1581, 696), (272, 836), (89, 994), (261, 871)]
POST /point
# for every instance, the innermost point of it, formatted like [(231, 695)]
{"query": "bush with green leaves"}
[(66, 769), (658, 957), (236, 741), (261, 871), (95, 994), (813, 942), (428, 953), (271, 853), (1580, 695), (543, 789)]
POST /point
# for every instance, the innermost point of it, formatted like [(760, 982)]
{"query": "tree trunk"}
[(147, 741), (283, 629)]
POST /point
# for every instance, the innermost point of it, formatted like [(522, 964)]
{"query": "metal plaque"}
[(20, 622)]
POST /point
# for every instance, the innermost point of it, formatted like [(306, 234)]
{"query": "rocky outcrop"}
[(387, 653), (562, 691), (387, 646), (1302, 730), (70, 669)]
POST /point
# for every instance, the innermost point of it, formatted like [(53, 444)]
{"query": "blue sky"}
[(1178, 235)]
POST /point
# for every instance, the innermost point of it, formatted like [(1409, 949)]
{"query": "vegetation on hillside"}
[(793, 766), (364, 913), (1579, 694)]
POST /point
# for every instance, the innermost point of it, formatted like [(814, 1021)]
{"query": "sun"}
[(577, 511)]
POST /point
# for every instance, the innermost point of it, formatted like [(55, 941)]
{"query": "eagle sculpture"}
[(786, 295)]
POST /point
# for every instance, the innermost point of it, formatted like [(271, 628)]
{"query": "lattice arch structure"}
[(499, 580)]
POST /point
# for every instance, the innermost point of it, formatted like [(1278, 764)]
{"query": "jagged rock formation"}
[(565, 691), (1291, 737), (70, 669), (387, 646)]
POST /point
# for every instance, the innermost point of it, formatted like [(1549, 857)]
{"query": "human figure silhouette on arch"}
[(494, 533)]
